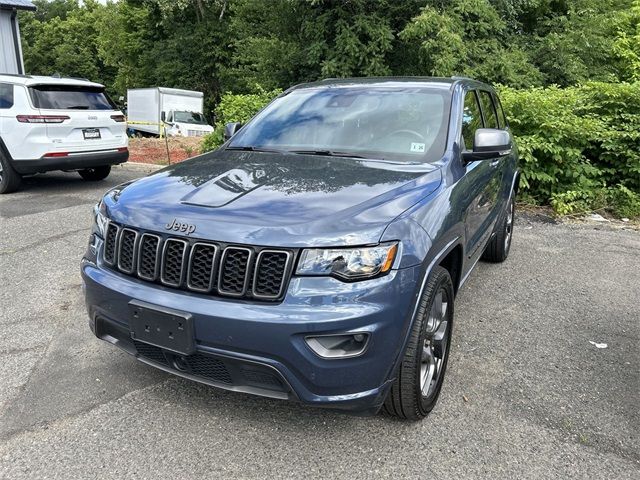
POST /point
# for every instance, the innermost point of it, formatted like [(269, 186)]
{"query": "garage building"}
[(10, 48)]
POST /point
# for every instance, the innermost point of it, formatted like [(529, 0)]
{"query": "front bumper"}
[(73, 161), (261, 345)]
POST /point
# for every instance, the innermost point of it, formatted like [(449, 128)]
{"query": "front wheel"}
[(96, 173), (417, 386)]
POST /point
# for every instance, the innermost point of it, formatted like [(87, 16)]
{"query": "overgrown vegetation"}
[(569, 68), (579, 146), (218, 46)]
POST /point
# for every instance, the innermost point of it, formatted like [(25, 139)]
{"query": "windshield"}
[(189, 117), (67, 97), (403, 124)]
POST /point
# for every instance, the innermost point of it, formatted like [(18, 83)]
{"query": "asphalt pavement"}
[(528, 393)]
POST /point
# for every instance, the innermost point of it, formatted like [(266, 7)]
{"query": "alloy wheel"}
[(509, 225), (435, 345)]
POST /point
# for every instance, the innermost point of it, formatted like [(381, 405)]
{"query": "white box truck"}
[(179, 110)]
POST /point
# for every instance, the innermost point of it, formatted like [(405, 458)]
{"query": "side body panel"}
[(15, 136), (143, 105)]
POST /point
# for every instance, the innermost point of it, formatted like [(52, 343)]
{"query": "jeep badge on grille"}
[(177, 226)]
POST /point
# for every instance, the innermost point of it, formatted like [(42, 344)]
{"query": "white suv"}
[(49, 123)]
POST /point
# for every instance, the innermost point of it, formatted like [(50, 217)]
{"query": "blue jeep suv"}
[(316, 255)]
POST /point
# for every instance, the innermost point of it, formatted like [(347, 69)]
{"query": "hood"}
[(274, 199)]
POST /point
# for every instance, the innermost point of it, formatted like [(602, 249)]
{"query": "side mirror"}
[(489, 143), (230, 129), (163, 115)]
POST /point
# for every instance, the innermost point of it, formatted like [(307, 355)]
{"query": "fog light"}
[(344, 345)]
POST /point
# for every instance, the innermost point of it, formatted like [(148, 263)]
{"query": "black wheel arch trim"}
[(515, 183), (5, 151), (411, 318)]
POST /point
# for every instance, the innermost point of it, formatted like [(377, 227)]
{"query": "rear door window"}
[(488, 110), (471, 119), (66, 97), (501, 116), (6, 95)]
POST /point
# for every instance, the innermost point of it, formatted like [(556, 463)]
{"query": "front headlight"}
[(348, 263), (100, 218)]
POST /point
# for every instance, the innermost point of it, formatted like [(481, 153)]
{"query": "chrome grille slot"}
[(149, 256), (127, 250), (173, 262), (234, 271), (110, 244), (201, 267), (270, 272)]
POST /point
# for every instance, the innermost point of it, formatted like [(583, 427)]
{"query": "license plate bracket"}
[(91, 134), (163, 327)]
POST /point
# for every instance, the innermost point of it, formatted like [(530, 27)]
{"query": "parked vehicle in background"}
[(179, 111), (316, 255), (50, 123)]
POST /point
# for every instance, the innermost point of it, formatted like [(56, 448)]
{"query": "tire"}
[(96, 173), (410, 398), (10, 180), (498, 248)]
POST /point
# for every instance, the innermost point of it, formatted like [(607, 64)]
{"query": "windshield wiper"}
[(78, 107), (326, 153), (250, 148)]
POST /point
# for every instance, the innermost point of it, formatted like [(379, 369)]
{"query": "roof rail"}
[(19, 75), (58, 76)]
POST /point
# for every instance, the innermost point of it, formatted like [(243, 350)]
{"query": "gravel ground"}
[(527, 394)]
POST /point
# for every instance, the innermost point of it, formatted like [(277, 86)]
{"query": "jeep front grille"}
[(204, 267)]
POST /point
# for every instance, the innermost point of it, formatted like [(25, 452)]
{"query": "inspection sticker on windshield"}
[(417, 147)]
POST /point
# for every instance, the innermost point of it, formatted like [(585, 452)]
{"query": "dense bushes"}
[(579, 146)]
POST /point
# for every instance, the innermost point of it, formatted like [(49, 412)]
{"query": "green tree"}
[(61, 38), (627, 43), (467, 37), (283, 42)]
